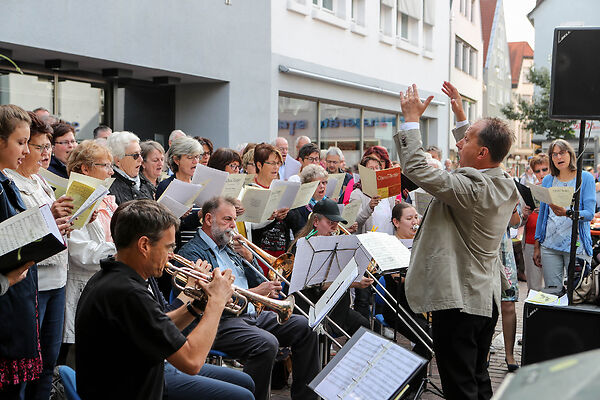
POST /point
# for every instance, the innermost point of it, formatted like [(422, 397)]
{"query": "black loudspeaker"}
[(575, 81), (550, 331)]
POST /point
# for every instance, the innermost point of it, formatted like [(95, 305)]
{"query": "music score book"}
[(179, 196), (526, 194), (384, 183), (29, 236), (216, 183), (334, 184), (58, 183), (259, 203), (81, 188), (387, 251), (295, 194), (350, 212), (368, 367)]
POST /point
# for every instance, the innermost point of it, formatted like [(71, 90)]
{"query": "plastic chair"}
[(216, 357), (67, 376)]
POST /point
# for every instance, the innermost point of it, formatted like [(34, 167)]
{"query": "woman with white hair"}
[(127, 159), (183, 157)]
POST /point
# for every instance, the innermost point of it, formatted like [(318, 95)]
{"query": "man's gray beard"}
[(221, 237)]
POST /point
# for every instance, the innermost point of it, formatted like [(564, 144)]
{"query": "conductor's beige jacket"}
[(455, 262)]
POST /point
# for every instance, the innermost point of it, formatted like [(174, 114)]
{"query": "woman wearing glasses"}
[(63, 142), (52, 272), (553, 230), (88, 245), (127, 159)]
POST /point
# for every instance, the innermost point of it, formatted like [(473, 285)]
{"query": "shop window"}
[(27, 91), (379, 130), (342, 124), (297, 117)]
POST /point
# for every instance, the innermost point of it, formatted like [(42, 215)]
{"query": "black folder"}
[(29, 236), (525, 194)]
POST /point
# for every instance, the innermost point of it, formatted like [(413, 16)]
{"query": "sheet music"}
[(384, 183), (26, 227), (248, 178), (321, 258), (174, 206), (260, 203), (212, 181), (233, 185), (557, 195), (333, 294), (389, 254), (57, 182), (334, 184), (88, 207), (304, 194), (422, 200), (182, 192), (350, 212), (90, 181), (289, 194), (373, 368)]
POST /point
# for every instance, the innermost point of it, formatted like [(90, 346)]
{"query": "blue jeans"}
[(51, 309), (212, 382), (554, 263)]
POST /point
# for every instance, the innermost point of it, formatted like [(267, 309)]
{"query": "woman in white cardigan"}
[(92, 243), (375, 213)]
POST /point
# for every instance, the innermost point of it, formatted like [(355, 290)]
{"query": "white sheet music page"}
[(305, 194), (374, 368), (334, 184), (212, 181), (24, 228), (333, 294), (321, 259), (350, 212), (387, 251), (289, 194)]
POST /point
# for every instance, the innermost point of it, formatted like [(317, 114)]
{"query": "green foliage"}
[(534, 115), (12, 62)]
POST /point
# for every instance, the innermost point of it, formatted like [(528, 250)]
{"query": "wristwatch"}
[(190, 308)]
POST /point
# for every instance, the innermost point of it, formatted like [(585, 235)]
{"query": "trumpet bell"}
[(284, 265)]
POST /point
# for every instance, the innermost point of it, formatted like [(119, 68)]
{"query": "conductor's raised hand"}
[(412, 106), (219, 289), (455, 100)]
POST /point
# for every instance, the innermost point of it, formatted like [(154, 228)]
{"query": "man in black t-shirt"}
[(122, 334)]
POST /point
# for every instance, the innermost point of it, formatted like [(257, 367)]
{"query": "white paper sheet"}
[(26, 227), (350, 212), (374, 368), (537, 297), (233, 185), (182, 192), (289, 194), (174, 206), (307, 190), (212, 181), (259, 203), (334, 184), (558, 195), (315, 261), (57, 182), (421, 200), (389, 254), (333, 294)]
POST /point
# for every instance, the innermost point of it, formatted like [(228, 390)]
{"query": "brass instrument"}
[(282, 264), (283, 308)]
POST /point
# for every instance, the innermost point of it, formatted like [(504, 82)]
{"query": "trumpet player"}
[(253, 338), (122, 332)]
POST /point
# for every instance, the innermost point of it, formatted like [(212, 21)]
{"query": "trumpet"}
[(241, 297), (282, 264)]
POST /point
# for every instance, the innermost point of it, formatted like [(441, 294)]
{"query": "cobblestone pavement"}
[(497, 370)]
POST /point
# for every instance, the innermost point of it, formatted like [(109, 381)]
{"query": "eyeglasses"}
[(107, 166), (560, 153), (235, 167), (541, 170), (46, 147), (190, 157), (332, 162), (278, 164), (312, 159), (66, 142), (135, 156)]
